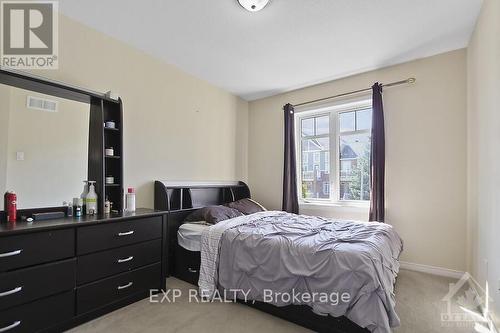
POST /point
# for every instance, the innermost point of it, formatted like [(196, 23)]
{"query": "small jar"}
[(107, 206), (78, 207), (110, 124)]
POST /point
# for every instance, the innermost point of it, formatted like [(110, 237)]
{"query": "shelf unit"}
[(100, 165), (113, 165)]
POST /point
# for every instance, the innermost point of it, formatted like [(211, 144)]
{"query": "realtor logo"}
[(29, 33), (465, 307)]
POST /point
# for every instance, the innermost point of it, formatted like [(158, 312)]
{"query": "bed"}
[(280, 252)]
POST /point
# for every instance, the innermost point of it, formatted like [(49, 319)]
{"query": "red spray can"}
[(10, 206)]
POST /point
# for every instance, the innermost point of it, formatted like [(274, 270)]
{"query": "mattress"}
[(189, 235)]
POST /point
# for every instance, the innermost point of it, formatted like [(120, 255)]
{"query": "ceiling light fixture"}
[(253, 5)]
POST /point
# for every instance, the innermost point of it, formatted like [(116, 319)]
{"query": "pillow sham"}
[(246, 206), (213, 214)]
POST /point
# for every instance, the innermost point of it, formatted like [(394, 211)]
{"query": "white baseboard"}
[(431, 269)]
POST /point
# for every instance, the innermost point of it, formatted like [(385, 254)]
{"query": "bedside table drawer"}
[(39, 315), (99, 265), (107, 236), (26, 285), (110, 290), (36, 248)]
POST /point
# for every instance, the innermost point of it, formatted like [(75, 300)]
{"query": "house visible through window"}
[(326, 188), (334, 154)]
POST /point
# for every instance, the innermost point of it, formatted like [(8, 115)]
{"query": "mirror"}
[(43, 147)]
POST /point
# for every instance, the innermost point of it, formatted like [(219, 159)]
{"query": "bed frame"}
[(180, 199)]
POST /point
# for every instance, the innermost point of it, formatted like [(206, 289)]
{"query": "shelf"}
[(113, 165)]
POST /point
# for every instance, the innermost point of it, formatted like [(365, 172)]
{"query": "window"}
[(334, 153), (315, 150)]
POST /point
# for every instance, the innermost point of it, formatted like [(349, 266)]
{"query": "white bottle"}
[(107, 206), (91, 199), (84, 196), (130, 200)]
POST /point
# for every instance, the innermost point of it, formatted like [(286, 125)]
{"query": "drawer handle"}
[(10, 292), (125, 286), (10, 254), (192, 270), (125, 259), (11, 326), (128, 233)]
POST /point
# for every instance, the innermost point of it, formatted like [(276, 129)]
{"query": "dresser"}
[(56, 274)]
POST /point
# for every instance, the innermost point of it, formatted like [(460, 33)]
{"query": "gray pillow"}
[(213, 214), (246, 206)]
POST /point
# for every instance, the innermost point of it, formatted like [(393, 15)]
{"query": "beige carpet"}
[(418, 297)]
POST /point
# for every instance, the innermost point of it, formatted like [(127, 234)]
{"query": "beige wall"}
[(177, 127), (4, 136), (484, 154), (426, 154)]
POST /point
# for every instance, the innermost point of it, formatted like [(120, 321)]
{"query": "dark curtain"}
[(290, 196), (377, 157)]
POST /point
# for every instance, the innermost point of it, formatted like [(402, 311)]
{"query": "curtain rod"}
[(397, 83)]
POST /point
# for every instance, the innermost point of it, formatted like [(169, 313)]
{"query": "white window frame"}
[(332, 110), (327, 164)]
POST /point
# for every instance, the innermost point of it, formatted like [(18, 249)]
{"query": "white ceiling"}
[(288, 45)]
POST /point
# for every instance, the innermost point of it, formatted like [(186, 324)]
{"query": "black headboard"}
[(179, 196), (180, 199)]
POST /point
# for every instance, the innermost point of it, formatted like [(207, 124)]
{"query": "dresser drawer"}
[(107, 236), (99, 265), (25, 285), (36, 248), (38, 315), (107, 291)]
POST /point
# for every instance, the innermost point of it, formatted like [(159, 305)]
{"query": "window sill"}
[(358, 206)]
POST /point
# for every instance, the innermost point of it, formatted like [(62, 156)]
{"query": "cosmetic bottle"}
[(83, 196), (91, 200), (107, 206), (10, 206), (77, 207), (69, 208), (130, 200)]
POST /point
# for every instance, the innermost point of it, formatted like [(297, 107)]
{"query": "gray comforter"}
[(336, 267)]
